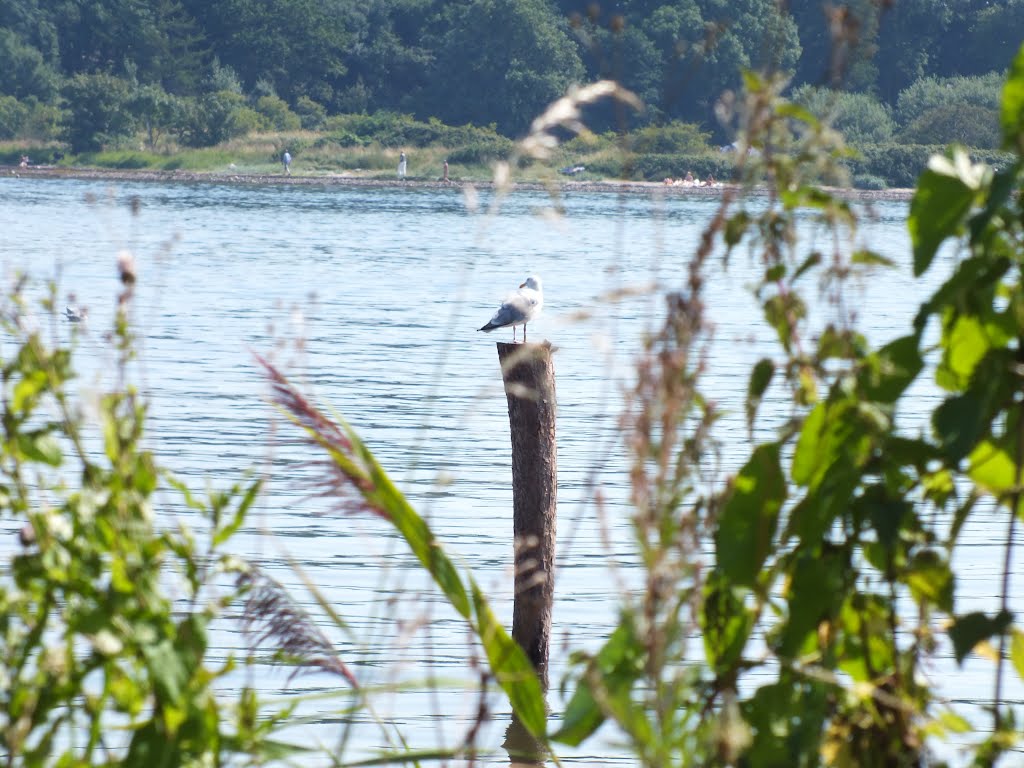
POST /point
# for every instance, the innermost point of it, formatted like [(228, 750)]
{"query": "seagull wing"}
[(515, 310)]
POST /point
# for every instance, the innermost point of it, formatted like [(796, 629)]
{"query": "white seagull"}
[(519, 308), (76, 314)]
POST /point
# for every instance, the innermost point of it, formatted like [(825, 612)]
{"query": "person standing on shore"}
[(286, 159), (445, 172), (401, 166)]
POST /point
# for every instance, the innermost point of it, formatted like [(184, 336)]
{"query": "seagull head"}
[(532, 282)]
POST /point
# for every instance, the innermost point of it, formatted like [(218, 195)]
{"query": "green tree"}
[(26, 73), (682, 57), (861, 118), (963, 109), (277, 114), (33, 22), (838, 43), (159, 113), (994, 31), (500, 61), (297, 45), (389, 62), (912, 39), (99, 110)]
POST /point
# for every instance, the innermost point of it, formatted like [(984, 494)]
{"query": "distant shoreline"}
[(342, 180)]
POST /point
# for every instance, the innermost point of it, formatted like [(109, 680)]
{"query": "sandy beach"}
[(347, 180)]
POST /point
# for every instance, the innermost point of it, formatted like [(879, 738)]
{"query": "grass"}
[(323, 153)]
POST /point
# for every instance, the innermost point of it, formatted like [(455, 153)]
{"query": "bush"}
[(311, 114), (656, 167), (99, 111), (900, 164), (12, 117), (675, 137), (939, 110), (967, 124), (861, 118), (868, 181), (482, 151), (276, 113), (217, 117)]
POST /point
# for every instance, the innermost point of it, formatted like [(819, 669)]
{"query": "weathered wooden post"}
[(529, 377)]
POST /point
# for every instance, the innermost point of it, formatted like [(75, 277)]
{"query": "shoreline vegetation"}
[(351, 179)]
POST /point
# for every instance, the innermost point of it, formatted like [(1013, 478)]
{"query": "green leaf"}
[(746, 528), (40, 446), (1011, 115), (965, 342), (892, 369), (735, 228), (760, 378), (811, 261), (414, 756), (809, 454), (817, 591), (870, 258), (512, 670), (992, 469), (190, 500), (27, 390), (958, 423), (227, 531), (166, 667), (726, 624), (615, 669), (969, 630), (937, 212), (930, 578), (1017, 651)]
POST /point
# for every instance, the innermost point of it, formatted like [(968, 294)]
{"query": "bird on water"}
[(76, 314), (519, 308)]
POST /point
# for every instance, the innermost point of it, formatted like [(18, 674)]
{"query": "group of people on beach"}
[(691, 181)]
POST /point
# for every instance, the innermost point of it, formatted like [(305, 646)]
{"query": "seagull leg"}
[(524, 333)]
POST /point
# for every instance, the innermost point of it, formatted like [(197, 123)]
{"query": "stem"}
[(1004, 596)]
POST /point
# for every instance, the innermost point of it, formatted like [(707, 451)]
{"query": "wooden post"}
[(529, 377)]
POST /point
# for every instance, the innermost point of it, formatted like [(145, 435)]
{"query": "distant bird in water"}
[(519, 308), (76, 314)]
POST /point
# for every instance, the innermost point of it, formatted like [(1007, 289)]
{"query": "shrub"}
[(311, 114), (900, 164), (940, 110), (675, 137), (276, 113), (99, 110), (12, 117), (217, 117), (655, 167), (967, 124), (869, 181), (861, 118), (482, 151)]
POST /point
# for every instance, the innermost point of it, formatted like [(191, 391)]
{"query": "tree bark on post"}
[(529, 378)]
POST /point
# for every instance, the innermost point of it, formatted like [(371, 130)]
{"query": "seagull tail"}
[(488, 328)]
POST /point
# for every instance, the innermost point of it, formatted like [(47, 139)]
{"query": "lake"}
[(371, 298)]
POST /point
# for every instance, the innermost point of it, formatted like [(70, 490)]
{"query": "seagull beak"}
[(522, 285)]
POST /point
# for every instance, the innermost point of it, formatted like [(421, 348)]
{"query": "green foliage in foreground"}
[(831, 583), (99, 664)]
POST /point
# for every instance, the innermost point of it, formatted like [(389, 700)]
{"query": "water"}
[(371, 298)]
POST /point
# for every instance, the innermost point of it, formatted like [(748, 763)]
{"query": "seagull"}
[(519, 308), (76, 314)]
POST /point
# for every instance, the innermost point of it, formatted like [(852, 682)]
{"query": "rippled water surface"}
[(371, 298)]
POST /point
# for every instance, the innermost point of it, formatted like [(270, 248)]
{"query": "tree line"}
[(93, 71)]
